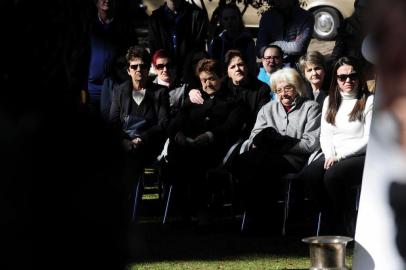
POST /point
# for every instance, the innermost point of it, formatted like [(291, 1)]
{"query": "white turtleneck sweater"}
[(345, 138)]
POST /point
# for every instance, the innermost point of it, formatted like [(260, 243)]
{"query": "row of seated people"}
[(181, 29), (282, 133)]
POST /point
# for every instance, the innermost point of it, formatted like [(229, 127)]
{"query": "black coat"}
[(253, 94), (220, 114), (155, 110), (191, 30)]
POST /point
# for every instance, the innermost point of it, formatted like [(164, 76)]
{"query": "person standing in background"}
[(234, 36), (271, 61), (179, 28), (288, 26), (111, 34)]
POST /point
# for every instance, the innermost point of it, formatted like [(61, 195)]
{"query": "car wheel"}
[(326, 23)]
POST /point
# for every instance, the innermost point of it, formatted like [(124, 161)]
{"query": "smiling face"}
[(210, 82), (286, 93), (347, 78), (165, 70), (237, 70), (315, 75), (272, 60)]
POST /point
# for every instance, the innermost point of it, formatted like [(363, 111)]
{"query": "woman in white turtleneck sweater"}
[(346, 119)]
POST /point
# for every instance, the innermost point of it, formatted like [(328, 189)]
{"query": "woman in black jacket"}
[(250, 91), (201, 134), (140, 113)]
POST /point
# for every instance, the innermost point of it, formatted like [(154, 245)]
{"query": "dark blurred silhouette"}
[(386, 45), (61, 206), (351, 34)]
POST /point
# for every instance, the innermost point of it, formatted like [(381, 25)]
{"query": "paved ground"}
[(325, 47)]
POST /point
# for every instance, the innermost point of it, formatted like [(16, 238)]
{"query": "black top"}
[(154, 109)]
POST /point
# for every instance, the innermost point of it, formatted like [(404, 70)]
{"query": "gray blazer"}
[(301, 122)]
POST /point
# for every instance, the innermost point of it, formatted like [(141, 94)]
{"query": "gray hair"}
[(290, 76)]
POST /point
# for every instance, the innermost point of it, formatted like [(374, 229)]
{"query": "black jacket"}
[(191, 30), (155, 110), (253, 94), (220, 114)]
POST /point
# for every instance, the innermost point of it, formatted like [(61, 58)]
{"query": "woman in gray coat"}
[(286, 132)]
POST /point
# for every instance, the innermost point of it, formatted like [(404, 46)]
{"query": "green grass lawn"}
[(251, 262)]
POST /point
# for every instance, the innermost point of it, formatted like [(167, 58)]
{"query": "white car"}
[(328, 14)]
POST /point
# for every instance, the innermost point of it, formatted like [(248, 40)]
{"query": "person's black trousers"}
[(335, 192)]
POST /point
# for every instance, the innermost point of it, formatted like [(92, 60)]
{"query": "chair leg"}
[(286, 208), (136, 197), (168, 200), (318, 224), (243, 221), (357, 198)]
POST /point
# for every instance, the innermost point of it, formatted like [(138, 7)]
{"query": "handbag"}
[(269, 139), (133, 125)]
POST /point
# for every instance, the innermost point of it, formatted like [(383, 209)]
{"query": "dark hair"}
[(230, 54), (138, 52), (280, 51), (335, 96), (208, 65)]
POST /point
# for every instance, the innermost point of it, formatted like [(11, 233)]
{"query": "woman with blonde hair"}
[(314, 70)]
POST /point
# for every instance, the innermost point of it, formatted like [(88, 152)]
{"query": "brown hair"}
[(208, 65), (230, 54), (335, 96), (313, 57)]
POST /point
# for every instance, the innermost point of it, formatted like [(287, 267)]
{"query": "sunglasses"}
[(344, 77), (162, 66), (136, 66)]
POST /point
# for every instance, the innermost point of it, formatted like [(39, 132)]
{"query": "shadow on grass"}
[(150, 241)]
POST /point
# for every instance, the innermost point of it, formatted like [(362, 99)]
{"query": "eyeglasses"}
[(162, 66), (269, 58), (344, 77), (136, 66), (288, 89)]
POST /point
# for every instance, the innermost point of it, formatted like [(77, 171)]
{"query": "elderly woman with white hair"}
[(286, 132)]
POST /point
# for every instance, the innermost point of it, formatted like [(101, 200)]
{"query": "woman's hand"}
[(329, 162), (195, 96), (136, 141)]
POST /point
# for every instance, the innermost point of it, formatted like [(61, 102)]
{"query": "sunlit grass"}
[(257, 263), (244, 263)]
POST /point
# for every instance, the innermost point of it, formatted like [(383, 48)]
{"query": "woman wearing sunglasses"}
[(346, 119), (140, 113), (165, 70)]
